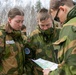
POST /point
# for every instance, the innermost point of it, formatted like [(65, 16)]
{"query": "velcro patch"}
[(10, 42)]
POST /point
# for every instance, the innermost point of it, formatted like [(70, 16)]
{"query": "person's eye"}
[(48, 25), (17, 21), (42, 25)]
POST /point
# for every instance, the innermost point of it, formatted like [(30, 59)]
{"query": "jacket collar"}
[(8, 28), (71, 14)]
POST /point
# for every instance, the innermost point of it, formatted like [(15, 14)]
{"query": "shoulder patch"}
[(35, 32), (74, 28)]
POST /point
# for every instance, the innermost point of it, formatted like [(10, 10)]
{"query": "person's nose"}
[(45, 27), (20, 24)]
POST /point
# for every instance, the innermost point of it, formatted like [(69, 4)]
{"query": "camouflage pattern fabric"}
[(67, 46), (42, 45), (11, 52)]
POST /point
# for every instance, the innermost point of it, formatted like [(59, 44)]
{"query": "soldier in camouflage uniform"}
[(41, 40), (11, 44), (66, 14)]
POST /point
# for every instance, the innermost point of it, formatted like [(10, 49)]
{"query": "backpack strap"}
[(1, 52), (4, 38)]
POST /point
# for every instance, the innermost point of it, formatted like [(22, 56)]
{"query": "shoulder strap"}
[(1, 53), (4, 38)]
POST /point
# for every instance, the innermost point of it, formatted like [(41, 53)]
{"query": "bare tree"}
[(38, 5)]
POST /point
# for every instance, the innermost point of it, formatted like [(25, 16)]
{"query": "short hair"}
[(54, 4), (43, 10), (15, 11), (43, 14)]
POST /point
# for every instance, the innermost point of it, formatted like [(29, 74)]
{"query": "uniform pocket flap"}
[(60, 41)]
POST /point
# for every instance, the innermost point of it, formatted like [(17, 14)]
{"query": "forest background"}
[(30, 8)]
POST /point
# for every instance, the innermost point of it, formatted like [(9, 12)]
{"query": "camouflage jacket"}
[(42, 44), (67, 45), (11, 52)]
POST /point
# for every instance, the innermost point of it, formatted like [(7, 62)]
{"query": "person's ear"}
[(9, 19), (63, 8)]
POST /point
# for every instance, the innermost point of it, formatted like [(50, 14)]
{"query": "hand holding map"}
[(45, 64)]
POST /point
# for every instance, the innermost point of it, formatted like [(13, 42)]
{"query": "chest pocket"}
[(12, 48)]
